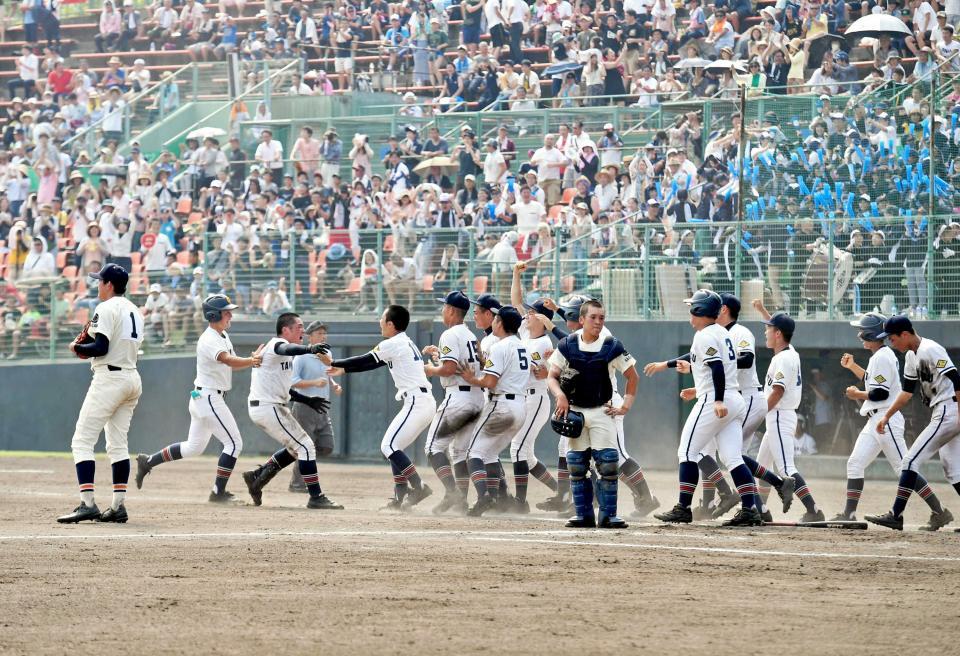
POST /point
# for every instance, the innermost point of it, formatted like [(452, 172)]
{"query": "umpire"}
[(310, 378)]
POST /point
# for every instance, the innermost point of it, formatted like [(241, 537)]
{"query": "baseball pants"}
[(317, 425), (453, 424), (938, 436), (277, 421), (703, 427), (209, 415), (871, 443), (415, 415), (108, 407), (779, 442), (537, 406), (499, 422), (753, 415), (599, 431)]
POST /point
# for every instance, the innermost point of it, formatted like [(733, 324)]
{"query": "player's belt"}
[(257, 404), (415, 389), (534, 390), (464, 388), (111, 367), (210, 389), (509, 397)]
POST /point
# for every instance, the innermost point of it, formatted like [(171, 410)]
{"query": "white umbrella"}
[(693, 62), (722, 65), (877, 25), (204, 133)]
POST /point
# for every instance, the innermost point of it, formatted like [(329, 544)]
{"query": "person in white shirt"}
[(928, 369), (269, 154), (506, 374), (209, 413), (115, 334), (713, 362), (529, 212), (494, 165), (881, 380), (549, 162), (495, 25), (155, 307), (402, 357)]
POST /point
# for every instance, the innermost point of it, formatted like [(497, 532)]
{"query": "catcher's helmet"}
[(570, 311), (705, 303), (569, 426), (871, 326), (215, 304)]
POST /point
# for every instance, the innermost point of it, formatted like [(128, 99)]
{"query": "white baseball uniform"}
[(882, 372), (779, 440), (928, 367), (537, 403), (115, 388), (209, 414), (702, 427), (505, 409), (269, 394), (402, 357), (452, 426)]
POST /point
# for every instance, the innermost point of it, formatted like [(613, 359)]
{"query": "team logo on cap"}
[(228, 299)]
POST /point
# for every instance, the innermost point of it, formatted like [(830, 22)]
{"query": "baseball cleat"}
[(581, 522), (815, 516), (323, 503), (143, 468), (450, 499), (644, 506), (843, 517), (786, 493), (415, 496), (887, 519), (521, 507), (727, 503), (81, 513), (555, 503), (505, 503), (702, 512), (222, 497), (766, 516), (745, 517), (250, 478), (110, 515), (297, 488), (482, 505), (938, 520), (676, 515), (393, 504), (613, 522)]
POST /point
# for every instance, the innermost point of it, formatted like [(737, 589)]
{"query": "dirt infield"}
[(186, 577)]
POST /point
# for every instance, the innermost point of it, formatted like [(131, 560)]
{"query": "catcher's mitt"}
[(83, 338)]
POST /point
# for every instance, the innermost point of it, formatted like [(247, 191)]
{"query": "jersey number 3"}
[(730, 352)]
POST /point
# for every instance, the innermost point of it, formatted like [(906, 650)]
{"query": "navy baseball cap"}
[(782, 322), (457, 299), (540, 308), (487, 302), (113, 273), (895, 325), (510, 317), (731, 302)]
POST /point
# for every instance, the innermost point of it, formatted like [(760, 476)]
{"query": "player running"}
[(713, 363), (270, 392), (882, 382), (927, 366), (449, 434), (209, 413), (116, 331), (398, 352), (506, 373)]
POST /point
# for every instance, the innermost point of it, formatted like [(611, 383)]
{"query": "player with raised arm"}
[(928, 368), (401, 356), (271, 389), (111, 342), (452, 427), (881, 381), (506, 372), (209, 413), (718, 415)]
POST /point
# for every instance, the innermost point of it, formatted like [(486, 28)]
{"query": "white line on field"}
[(26, 471), (486, 536)]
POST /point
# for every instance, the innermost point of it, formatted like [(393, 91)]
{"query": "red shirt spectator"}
[(60, 79)]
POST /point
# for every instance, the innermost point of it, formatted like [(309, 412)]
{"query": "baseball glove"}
[(83, 338)]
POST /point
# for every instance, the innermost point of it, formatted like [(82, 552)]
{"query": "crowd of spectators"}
[(276, 223)]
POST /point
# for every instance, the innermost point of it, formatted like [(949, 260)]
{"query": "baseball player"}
[(927, 366), (209, 414), (782, 389), (506, 373), (881, 380), (398, 352), (630, 472), (312, 380), (116, 331), (270, 392), (581, 380), (713, 363), (452, 426)]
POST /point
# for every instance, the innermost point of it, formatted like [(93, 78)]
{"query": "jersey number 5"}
[(524, 362)]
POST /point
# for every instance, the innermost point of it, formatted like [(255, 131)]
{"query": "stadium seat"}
[(480, 285), (183, 258), (568, 195), (353, 287), (555, 213), (184, 205), (61, 259), (427, 282)]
